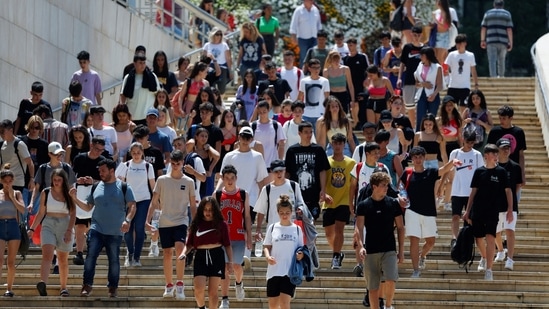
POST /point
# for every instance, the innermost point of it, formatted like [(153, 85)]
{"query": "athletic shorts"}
[(380, 267), (85, 222), (483, 228), (460, 95), (277, 285), (420, 226), (53, 233), (409, 94), (378, 105), (331, 215), (209, 262), (503, 224), (9, 230), (170, 235), (458, 204), (238, 247)]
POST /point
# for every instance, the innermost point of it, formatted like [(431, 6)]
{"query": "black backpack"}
[(189, 159), (463, 251), (397, 21)]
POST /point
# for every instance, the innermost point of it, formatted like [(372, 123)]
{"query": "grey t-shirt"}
[(175, 195)]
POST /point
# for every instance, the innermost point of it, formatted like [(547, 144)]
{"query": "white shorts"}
[(420, 226), (503, 224)]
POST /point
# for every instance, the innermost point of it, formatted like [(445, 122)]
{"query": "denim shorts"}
[(9, 230), (443, 40)]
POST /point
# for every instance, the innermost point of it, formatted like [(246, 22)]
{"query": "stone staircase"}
[(442, 284)]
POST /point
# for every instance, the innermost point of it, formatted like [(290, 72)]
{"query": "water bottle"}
[(259, 248), (404, 194), (155, 219)]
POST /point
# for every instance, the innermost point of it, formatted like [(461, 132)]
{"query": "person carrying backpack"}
[(15, 153)]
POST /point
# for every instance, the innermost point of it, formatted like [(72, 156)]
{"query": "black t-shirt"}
[(26, 107), (379, 218), (214, 133), (281, 87), (421, 191), (490, 197), (304, 163), (405, 125), (38, 149), (84, 166), (498, 132), (357, 65), (514, 174), (167, 80), (410, 58)]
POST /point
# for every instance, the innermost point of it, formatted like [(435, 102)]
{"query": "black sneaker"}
[(452, 243), (41, 287), (78, 259), (341, 257), (55, 270), (358, 270), (381, 303), (366, 300)]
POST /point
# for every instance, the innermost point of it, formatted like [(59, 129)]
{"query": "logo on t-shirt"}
[(183, 187), (198, 234)]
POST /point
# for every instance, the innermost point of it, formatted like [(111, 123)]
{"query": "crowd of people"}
[(176, 162)]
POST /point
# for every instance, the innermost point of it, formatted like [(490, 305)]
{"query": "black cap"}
[(447, 99), (277, 165), (385, 115), (96, 109), (503, 142)]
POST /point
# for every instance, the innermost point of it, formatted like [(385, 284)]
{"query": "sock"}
[(154, 242)]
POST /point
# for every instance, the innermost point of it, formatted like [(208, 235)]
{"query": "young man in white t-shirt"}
[(264, 131), (313, 90), (291, 73), (470, 159), (291, 127), (100, 130), (461, 64)]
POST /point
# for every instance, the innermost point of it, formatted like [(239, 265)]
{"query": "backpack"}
[(463, 251), (189, 159), (473, 127), (268, 191), (397, 22), (360, 152), (275, 127), (16, 150)]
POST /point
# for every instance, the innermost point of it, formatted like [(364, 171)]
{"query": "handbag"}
[(25, 242)]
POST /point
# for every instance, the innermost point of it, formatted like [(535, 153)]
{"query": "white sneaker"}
[(168, 291), (180, 290), (448, 206), (128, 261), (500, 256), (154, 251), (509, 264), (488, 275), (422, 262), (239, 291), (136, 263), (224, 304), (482, 264), (416, 274)]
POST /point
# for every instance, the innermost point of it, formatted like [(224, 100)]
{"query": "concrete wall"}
[(41, 39)]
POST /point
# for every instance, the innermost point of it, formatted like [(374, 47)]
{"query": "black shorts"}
[(172, 234), (378, 105), (331, 215), (460, 95), (458, 204), (209, 262), (482, 228), (277, 285), (85, 222), (406, 24)]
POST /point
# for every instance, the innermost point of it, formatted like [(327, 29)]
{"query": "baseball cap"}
[(447, 99), (503, 142), (55, 148), (246, 131), (385, 115), (152, 111), (96, 109), (277, 165)]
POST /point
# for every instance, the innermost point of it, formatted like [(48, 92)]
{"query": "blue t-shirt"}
[(161, 141), (110, 210)]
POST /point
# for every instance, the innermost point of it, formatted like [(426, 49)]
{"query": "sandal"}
[(64, 293), (8, 294)]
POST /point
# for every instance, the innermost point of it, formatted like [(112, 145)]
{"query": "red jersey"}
[(232, 208)]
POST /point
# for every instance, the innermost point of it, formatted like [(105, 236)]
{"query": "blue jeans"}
[(138, 225), (210, 186), (496, 58), (111, 243), (423, 107), (304, 45)]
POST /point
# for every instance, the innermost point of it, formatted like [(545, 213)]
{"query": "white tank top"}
[(55, 206)]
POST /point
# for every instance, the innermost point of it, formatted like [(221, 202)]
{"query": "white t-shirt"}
[(253, 169), (284, 241), (460, 69), (199, 167), (137, 177), (218, 51), (169, 131), (262, 207), (265, 133), (343, 50), (364, 175), (314, 90), (293, 78), (471, 160), (291, 130), (109, 134)]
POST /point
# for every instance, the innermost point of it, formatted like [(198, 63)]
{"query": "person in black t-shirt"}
[(281, 88), (357, 63), (27, 106), (38, 148), (306, 164), (379, 214), (490, 192)]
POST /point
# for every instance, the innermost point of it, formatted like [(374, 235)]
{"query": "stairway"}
[(442, 284)]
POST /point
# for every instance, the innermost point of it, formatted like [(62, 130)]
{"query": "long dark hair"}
[(167, 103), (254, 82), (483, 104), (197, 68), (156, 68), (445, 118), (429, 52), (222, 122), (120, 108), (85, 142), (65, 188), (430, 117), (270, 93), (211, 97), (445, 8), (199, 217)]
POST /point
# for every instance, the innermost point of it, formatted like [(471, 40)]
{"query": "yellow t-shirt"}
[(338, 182)]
